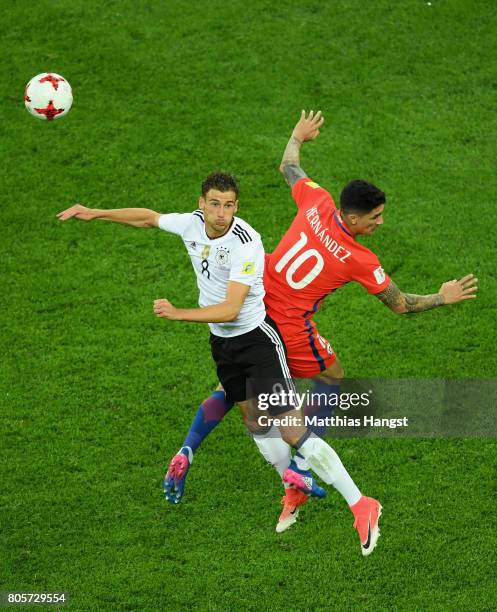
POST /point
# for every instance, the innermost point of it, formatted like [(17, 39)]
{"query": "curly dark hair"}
[(221, 182), (360, 197)]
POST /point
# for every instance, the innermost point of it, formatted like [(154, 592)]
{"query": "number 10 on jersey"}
[(297, 263)]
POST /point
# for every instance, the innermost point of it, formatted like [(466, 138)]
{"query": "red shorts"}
[(308, 353)]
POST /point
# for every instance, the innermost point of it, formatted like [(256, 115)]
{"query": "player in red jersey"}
[(320, 253)]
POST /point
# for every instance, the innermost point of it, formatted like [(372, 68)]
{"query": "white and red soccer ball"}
[(48, 96)]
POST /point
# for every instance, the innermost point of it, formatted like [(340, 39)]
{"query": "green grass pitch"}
[(96, 394)]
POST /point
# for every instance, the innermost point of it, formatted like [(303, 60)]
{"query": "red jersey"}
[(315, 256)]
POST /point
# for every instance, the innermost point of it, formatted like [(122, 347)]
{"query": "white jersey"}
[(236, 256)]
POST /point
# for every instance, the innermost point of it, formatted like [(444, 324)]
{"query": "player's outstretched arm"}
[(307, 128), (452, 292), (216, 313), (137, 217)]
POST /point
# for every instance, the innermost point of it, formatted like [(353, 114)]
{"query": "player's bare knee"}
[(333, 374), (256, 428), (293, 434), (290, 438), (252, 423)]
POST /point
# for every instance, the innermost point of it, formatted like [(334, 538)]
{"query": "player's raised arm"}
[(452, 292), (137, 217), (307, 128)]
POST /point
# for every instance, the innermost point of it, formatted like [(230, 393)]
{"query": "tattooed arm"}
[(450, 293), (290, 164), (402, 303), (307, 128)]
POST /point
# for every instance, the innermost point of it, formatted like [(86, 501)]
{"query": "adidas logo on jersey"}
[(242, 234)]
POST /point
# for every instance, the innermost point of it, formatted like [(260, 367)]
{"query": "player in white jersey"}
[(228, 258), (235, 256)]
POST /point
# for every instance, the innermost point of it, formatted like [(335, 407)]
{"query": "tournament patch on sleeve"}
[(248, 267), (312, 184), (379, 275)]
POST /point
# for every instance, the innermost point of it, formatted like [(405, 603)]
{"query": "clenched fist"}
[(163, 308)]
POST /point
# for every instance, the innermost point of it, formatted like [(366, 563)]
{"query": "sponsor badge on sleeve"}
[(248, 267), (379, 275)]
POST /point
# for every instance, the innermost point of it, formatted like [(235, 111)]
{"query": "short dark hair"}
[(360, 197), (221, 182)]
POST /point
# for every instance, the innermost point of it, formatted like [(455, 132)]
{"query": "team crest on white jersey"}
[(379, 275), (222, 256)]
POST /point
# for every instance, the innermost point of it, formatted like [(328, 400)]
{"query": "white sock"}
[(190, 453), (274, 449), (323, 460), (300, 461)]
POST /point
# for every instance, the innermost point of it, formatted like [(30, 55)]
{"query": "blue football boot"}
[(303, 480), (174, 480)]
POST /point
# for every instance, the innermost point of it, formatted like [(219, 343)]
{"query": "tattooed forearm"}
[(402, 303), (392, 297), (292, 152), (292, 173), (290, 164), (420, 303)]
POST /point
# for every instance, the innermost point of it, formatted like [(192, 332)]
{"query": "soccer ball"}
[(48, 96)]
